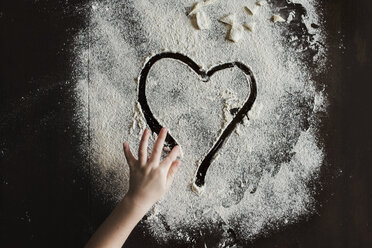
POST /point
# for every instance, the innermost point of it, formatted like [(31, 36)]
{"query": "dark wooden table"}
[(45, 195)]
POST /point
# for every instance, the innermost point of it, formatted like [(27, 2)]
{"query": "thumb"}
[(172, 172)]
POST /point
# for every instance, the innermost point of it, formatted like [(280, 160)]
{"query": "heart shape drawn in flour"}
[(154, 125)]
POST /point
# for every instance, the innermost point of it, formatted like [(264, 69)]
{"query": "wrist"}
[(136, 204)]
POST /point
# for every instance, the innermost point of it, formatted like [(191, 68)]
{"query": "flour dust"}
[(259, 180)]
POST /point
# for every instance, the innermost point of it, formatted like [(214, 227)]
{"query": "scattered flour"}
[(259, 180)]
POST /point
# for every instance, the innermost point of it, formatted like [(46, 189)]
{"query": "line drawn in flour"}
[(240, 114)]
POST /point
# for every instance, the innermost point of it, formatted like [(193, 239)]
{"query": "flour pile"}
[(259, 180)]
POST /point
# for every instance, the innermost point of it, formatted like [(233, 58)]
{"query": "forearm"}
[(117, 227)]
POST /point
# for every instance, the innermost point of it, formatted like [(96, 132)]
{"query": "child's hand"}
[(150, 178)]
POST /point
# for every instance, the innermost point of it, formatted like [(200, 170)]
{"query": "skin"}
[(149, 180)]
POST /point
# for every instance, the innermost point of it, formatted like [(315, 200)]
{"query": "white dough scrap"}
[(252, 10), (198, 190), (236, 32), (250, 26), (261, 3), (229, 19), (197, 6), (278, 18), (202, 20)]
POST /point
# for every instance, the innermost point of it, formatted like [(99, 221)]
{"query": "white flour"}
[(259, 179)]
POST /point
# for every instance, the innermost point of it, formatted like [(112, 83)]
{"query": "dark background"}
[(45, 195)]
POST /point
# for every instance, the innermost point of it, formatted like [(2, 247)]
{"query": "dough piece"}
[(229, 19), (278, 18), (251, 10), (198, 190), (250, 26), (261, 3), (202, 20), (196, 8), (236, 32), (199, 5)]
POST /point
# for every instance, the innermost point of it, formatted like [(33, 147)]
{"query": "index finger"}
[(158, 147)]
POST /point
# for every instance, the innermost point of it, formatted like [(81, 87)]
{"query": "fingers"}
[(171, 156), (142, 151), (172, 172), (158, 147), (128, 155)]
